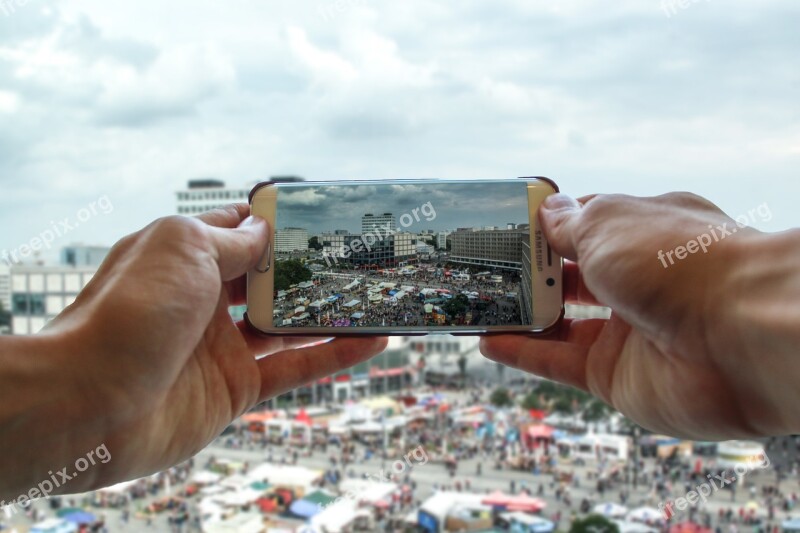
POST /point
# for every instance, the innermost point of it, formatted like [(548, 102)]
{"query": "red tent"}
[(540, 431), (303, 417), (496, 499), (688, 527), (522, 502), (537, 414), (526, 504)]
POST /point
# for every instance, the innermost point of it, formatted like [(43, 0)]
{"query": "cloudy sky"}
[(415, 207), (129, 100)]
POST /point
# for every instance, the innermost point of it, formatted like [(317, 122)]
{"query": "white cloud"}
[(9, 102)]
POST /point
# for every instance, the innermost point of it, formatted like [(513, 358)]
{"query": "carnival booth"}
[(741, 453), (454, 511), (342, 516), (525, 523)]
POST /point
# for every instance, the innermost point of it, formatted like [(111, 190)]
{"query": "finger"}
[(239, 249), (559, 215), (287, 370), (229, 216), (237, 290), (560, 360), (575, 290), (261, 344)]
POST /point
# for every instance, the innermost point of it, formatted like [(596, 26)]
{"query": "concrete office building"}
[(391, 372), (437, 359), (39, 293), (394, 251), (290, 240), (203, 195), (501, 249), (332, 245)]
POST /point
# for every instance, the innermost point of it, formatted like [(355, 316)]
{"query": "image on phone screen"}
[(402, 255)]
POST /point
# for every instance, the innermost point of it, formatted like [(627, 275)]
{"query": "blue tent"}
[(80, 517), (304, 508), (791, 525)]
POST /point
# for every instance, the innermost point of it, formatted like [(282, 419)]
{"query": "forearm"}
[(45, 416), (758, 330)]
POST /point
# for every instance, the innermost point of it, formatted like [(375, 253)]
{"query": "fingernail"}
[(252, 220), (556, 202)]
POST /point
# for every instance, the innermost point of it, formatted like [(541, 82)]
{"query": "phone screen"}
[(402, 255)]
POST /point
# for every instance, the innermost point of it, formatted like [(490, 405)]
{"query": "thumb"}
[(559, 215), (240, 249)]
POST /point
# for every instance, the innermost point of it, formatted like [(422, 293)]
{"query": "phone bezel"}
[(549, 299)]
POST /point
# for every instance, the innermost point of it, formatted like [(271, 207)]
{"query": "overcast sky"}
[(129, 100), (415, 207)]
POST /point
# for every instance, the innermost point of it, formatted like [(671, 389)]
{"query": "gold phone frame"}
[(547, 303)]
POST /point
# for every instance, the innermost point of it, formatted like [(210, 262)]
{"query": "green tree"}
[(500, 398), (288, 273), (596, 410), (456, 306), (594, 524), (531, 401), (563, 406), (314, 244)]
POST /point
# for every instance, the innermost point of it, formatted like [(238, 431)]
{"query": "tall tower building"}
[(378, 224)]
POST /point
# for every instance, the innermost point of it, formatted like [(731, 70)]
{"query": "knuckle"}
[(180, 228), (688, 200)]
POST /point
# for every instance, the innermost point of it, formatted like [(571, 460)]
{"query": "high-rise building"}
[(81, 255), (289, 240), (378, 224), (40, 293), (441, 239)]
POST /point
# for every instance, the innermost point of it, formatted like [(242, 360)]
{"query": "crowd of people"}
[(489, 302)]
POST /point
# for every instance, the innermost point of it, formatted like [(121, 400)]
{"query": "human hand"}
[(702, 348), (148, 361)]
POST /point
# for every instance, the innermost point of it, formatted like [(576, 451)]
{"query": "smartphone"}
[(404, 257)]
